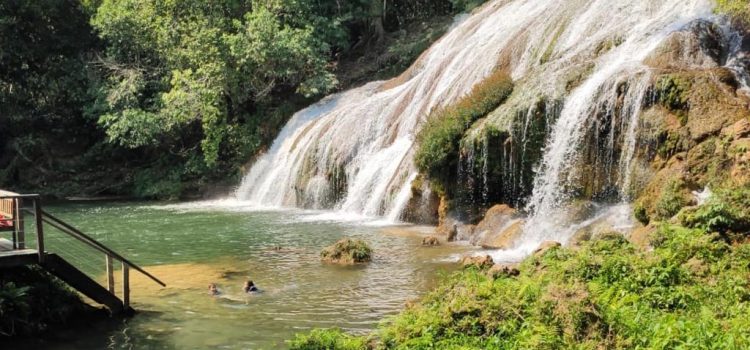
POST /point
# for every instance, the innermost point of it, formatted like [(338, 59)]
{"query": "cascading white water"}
[(368, 133), (353, 151), (642, 26)]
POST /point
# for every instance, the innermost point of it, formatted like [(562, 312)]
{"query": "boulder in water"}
[(481, 262), (464, 232), (347, 251), (492, 231), (504, 238), (430, 241)]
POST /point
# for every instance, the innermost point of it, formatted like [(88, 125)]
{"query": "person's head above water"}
[(249, 286), (212, 289)]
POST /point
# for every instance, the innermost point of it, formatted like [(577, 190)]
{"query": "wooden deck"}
[(20, 257), (14, 252)]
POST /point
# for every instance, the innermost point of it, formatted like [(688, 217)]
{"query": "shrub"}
[(439, 140), (641, 214), (347, 251), (327, 339), (728, 210), (31, 300), (671, 200)]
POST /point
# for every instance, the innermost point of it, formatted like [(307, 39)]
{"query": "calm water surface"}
[(191, 245)]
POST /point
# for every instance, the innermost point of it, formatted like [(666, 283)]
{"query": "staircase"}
[(76, 245)]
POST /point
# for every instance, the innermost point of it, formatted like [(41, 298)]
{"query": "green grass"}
[(690, 292)]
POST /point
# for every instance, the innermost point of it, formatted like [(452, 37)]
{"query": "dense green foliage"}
[(162, 98), (726, 212), (690, 292), (327, 339), (347, 251), (439, 140), (32, 300)]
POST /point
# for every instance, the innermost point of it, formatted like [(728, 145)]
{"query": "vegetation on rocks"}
[(439, 140), (737, 9), (690, 291), (347, 251), (726, 212)]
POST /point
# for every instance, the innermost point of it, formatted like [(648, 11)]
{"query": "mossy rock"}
[(347, 251)]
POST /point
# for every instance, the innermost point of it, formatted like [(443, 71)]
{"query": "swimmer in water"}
[(212, 290), (250, 287)]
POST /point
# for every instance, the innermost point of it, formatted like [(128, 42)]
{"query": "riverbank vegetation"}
[(689, 291), (161, 99), (32, 301)]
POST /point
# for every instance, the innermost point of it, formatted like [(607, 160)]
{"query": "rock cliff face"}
[(690, 132)]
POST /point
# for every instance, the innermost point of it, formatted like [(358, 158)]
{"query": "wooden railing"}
[(14, 206)]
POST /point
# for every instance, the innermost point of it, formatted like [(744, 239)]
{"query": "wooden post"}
[(39, 229), (110, 275), (20, 235), (125, 285)]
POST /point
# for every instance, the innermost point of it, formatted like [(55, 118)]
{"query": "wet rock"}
[(581, 236), (449, 230), (422, 208), (492, 227), (496, 217), (503, 270), (581, 210), (545, 247), (481, 262), (430, 241), (505, 238), (699, 44), (465, 232)]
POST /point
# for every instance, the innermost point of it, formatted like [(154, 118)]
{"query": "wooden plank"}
[(6, 207), (15, 258), (82, 283)]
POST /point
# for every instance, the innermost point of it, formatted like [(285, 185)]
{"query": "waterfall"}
[(642, 27), (352, 152)]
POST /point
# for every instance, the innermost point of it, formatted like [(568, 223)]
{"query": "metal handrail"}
[(84, 238)]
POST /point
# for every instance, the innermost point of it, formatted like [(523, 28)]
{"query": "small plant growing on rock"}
[(347, 251)]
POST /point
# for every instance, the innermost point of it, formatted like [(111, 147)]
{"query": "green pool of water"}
[(191, 245)]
